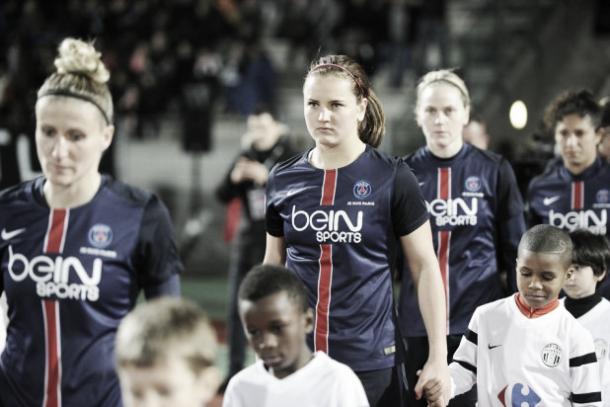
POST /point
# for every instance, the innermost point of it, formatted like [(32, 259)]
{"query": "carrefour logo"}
[(589, 219), (519, 395), (454, 212), (331, 226), (52, 275)]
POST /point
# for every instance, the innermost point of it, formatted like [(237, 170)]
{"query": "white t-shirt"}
[(516, 360), (597, 322), (323, 382)]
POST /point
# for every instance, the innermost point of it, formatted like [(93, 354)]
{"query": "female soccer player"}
[(476, 214), (76, 248), (335, 215)]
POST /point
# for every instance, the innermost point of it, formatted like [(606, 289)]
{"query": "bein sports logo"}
[(519, 395), (330, 226), (454, 212), (589, 219), (52, 275)]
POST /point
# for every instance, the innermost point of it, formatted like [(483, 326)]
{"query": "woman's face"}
[(71, 136), (332, 111), (442, 115)]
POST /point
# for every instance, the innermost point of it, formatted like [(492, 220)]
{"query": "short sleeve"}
[(273, 221), (463, 369), (156, 254), (408, 205)]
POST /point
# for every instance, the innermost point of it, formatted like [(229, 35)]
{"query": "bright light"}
[(518, 115)]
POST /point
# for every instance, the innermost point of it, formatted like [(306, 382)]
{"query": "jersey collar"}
[(534, 312), (587, 173)]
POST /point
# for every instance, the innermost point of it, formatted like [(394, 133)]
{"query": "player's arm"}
[(510, 223), (156, 258), (464, 366), (584, 370), (419, 252), (275, 250)]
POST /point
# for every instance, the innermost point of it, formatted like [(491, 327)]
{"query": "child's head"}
[(165, 354), (590, 261), (276, 318), (543, 260)]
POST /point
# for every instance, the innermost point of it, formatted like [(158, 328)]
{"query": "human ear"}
[(108, 135), (308, 317)]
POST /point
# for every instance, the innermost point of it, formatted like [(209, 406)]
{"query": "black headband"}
[(59, 92)]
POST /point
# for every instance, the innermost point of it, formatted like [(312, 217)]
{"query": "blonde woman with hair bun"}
[(76, 247)]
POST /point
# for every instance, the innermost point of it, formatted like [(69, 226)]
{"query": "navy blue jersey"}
[(340, 228), (70, 276), (476, 214), (570, 202)]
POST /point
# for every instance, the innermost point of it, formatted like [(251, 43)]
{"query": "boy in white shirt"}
[(526, 349), (590, 261), (276, 318)]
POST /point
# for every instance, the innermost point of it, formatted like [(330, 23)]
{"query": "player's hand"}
[(434, 383)]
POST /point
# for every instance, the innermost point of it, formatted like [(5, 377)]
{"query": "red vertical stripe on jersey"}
[(325, 278), (56, 232), (52, 377), (578, 195), (328, 187), (325, 273), (444, 236), (53, 243)]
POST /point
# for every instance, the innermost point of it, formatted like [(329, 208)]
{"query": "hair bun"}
[(81, 58)]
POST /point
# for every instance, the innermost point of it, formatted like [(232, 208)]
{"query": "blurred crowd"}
[(197, 54)]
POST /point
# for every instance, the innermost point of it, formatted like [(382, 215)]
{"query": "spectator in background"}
[(575, 194), (265, 143), (475, 132)]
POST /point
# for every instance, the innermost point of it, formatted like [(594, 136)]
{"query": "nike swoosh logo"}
[(9, 235), (421, 184), (490, 346), (549, 200)]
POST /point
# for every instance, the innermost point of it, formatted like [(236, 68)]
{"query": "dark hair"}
[(372, 128), (590, 250), (605, 119), (581, 103), (548, 239), (265, 280)]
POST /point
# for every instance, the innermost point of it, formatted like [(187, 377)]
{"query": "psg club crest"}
[(473, 184), (551, 355), (602, 196), (100, 236), (362, 189)]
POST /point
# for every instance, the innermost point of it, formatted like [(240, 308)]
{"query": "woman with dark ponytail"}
[(335, 217)]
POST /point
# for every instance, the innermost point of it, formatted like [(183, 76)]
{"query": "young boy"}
[(165, 355), (590, 262), (276, 318), (526, 348)]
